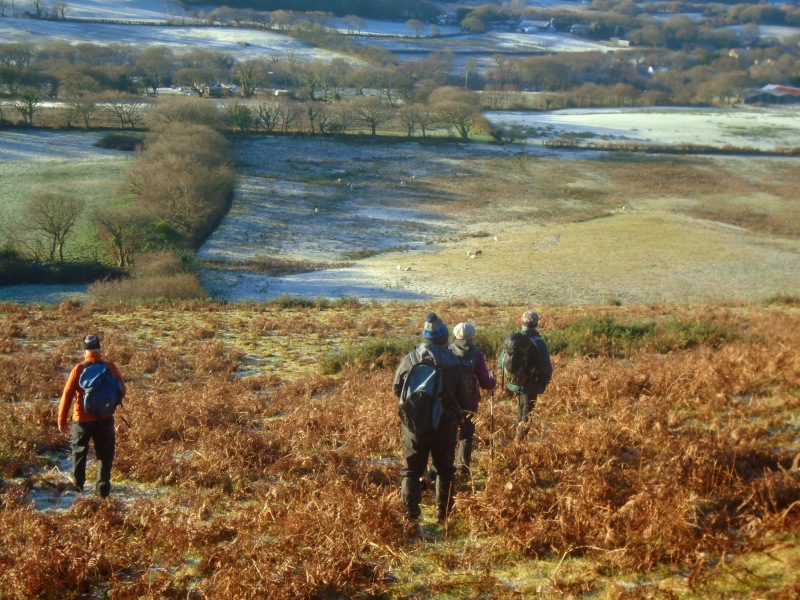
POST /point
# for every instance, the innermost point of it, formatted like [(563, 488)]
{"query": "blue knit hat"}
[(434, 327)]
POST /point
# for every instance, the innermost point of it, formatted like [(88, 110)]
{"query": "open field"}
[(571, 228), (662, 461), (241, 43), (757, 128), (36, 162)]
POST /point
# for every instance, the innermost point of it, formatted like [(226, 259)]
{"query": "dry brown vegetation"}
[(653, 470)]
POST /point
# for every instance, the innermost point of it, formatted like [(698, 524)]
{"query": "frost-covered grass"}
[(138, 10), (686, 230), (242, 43), (780, 32), (759, 128)]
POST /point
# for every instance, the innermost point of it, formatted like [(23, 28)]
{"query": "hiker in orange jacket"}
[(85, 427)]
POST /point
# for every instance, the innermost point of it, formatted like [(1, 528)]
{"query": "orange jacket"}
[(72, 391)]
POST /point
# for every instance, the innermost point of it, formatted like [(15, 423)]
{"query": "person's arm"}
[(400, 375), (67, 397), (485, 379)]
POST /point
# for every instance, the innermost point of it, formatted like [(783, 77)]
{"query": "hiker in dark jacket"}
[(441, 443), (479, 377), (529, 392), (85, 427)]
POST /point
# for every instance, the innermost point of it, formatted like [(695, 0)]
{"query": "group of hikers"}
[(439, 387), (439, 391)]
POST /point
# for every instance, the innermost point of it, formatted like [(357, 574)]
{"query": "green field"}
[(38, 162)]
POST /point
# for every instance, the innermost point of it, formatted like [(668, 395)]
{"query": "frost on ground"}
[(138, 10), (242, 43), (758, 128), (52, 146), (416, 209)]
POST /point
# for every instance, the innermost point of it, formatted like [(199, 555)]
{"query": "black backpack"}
[(102, 391), (421, 398), (520, 360), (469, 359)]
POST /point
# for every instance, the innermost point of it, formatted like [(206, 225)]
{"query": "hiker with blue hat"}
[(433, 390)]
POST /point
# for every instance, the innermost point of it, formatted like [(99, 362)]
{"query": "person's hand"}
[(63, 429)]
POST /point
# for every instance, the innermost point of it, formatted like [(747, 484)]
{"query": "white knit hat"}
[(464, 331)]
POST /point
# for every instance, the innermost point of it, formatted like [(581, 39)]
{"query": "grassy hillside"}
[(662, 461)]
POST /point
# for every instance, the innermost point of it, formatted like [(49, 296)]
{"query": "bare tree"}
[(267, 115), (244, 72), (55, 215), (124, 231), (289, 114), (27, 104), (240, 115), (371, 113), (38, 8), (84, 106), (415, 25), (58, 9), (459, 116), (129, 110)]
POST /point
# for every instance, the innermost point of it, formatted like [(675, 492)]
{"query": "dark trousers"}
[(527, 402), (466, 433), (441, 446), (102, 434)]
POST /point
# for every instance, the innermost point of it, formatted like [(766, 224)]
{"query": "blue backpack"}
[(102, 391), (421, 399)]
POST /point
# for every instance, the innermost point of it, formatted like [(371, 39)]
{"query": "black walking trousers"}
[(102, 434)]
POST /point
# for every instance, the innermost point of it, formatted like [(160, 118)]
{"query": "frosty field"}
[(570, 229), (759, 128), (242, 43)]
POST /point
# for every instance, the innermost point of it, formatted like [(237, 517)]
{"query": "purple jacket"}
[(470, 355)]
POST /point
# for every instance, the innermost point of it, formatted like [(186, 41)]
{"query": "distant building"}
[(773, 94), (448, 17), (529, 26), (580, 29)]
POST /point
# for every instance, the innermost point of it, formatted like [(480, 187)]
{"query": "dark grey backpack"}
[(421, 398)]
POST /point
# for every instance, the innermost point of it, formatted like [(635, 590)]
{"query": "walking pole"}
[(491, 414)]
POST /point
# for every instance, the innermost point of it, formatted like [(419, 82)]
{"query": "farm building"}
[(580, 29), (534, 26), (773, 94)]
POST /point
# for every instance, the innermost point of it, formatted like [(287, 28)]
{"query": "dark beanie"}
[(91, 342), (434, 327)]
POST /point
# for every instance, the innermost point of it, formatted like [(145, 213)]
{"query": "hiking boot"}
[(463, 470), (73, 487), (522, 430)]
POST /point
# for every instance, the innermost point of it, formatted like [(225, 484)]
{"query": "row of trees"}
[(108, 85), (456, 109)]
